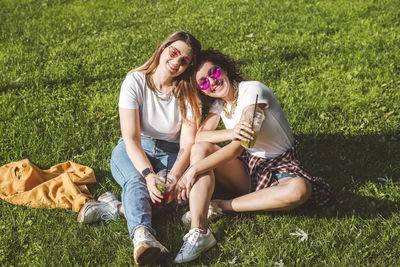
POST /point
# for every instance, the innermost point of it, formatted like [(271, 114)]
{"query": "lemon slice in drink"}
[(161, 188)]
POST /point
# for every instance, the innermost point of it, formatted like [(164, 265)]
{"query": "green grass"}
[(334, 66)]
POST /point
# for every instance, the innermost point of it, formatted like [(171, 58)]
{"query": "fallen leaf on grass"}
[(384, 179), (302, 234), (359, 231), (233, 261)]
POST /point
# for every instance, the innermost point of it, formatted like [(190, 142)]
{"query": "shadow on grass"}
[(355, 166), (361, 169), (350, 164)]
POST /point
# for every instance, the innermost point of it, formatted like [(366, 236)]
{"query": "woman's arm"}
[(225, 154), (187, 138), (207, 132), (229, 151), (221, 156), (130, 128)]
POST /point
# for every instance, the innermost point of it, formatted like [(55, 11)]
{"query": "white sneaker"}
[(146, 248), (213, 211), (94, 211), (194, 244), (110, 198)]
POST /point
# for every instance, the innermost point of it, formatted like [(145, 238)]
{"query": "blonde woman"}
[(159, 115)]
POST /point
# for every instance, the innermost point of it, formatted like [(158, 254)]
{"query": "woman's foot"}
[(195, 243), (213, 211), (146, 248), (106, 208), (222, 205)]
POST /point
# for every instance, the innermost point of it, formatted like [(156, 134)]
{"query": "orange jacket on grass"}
[(62, 186)]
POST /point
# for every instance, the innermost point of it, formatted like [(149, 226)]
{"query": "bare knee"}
[(200, 151), (298, 191)]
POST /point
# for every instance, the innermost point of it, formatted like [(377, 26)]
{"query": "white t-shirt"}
[(275, 135), (158, 119)]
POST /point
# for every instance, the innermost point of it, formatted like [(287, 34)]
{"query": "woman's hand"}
[(242, 132), (154, 192), (185, 184)]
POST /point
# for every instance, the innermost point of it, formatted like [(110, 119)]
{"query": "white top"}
[(275, 136), (158, 119)]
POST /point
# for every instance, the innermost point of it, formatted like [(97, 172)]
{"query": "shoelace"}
[(108, 213), (190, 238), (144, 235)]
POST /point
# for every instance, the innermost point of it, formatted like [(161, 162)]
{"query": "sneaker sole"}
[(198, 255), (147, 255)]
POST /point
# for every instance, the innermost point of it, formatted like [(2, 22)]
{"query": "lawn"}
[(333, 65)]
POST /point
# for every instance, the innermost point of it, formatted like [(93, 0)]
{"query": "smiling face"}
[(212, 80), (176, 58)]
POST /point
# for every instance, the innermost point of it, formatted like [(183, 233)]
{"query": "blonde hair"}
[(184, 92)]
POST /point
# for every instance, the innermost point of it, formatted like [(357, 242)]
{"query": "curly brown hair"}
[(223, 61)]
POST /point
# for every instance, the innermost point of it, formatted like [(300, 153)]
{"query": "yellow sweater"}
[(62, 186)]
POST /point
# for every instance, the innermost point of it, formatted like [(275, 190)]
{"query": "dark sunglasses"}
[(213, 73), (174, 52)]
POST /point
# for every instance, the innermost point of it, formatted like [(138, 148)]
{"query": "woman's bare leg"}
[(201, 193), (287, 195), (121, 211), (199, 200)]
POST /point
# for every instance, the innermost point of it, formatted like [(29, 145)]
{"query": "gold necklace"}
[(229, 113), (157, 93)]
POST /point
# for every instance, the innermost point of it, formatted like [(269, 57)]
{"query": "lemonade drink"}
[(258, 120), (252, 142)]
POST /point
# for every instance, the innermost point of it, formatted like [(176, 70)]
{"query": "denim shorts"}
[(278, 176)]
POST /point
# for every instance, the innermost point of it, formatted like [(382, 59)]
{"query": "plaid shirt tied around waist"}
[(262, 173)]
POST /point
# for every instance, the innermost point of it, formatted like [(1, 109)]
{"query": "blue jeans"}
[(135, 196)]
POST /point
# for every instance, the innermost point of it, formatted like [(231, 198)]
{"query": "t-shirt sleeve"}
[(128, 97), (250, 92), (216, 107)]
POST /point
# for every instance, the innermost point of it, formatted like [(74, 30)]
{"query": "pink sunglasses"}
[(213, 73), (174, 52)]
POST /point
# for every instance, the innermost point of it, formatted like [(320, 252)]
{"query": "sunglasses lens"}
[(173, 52), (215, 72), (185, 61), (203, 84)]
